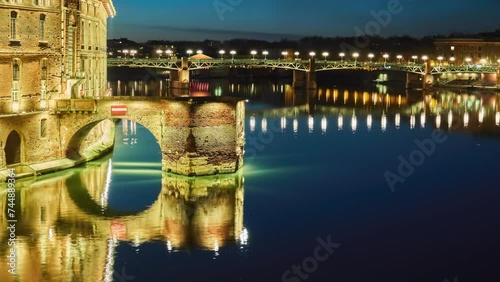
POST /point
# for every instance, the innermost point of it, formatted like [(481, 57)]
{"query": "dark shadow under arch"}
[(13, 148)]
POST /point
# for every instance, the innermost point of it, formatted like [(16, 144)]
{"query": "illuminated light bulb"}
[(466, 119), (264, 125), (311, 124), (398, 120), (422, 120), (341, 122), (369, 122), (252, 124), (324, 125), (384, 122), (438, 120), (412, 122)]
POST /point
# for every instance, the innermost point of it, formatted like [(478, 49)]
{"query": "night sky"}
[(276, 19)]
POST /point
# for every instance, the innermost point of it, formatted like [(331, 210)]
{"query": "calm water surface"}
[(315, 172)]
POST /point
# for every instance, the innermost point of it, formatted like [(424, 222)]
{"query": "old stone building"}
[(51, 49)]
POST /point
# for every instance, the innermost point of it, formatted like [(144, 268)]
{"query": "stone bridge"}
[(197, 136)]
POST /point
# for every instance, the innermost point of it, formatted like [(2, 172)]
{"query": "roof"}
[(110, 8)]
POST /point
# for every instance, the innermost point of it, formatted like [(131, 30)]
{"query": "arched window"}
[(16, 73), (13, 19)]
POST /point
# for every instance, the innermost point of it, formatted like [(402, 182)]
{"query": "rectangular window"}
[(43, 128), (13, 26), (42, 27), (15, 81)]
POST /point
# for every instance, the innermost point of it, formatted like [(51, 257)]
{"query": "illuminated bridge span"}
[(198, 136), (180, 75)]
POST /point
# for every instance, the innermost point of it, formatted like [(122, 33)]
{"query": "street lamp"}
[(483, 62), (296, 55), (342, 55), (189, 52), (355, 56), (133, 52), (468, 60), (325, 54), (414, 57), (159, 52), (452, 60), (125, 52), (425, 58), (199, 52), (222, 52), (253, 52), (169, 53), (440, 59), (284, 54), (312, 54), (371, 56), (386, 56), (232, 52), (400, 58), (265, 53)]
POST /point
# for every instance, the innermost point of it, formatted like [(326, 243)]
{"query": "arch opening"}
[(13, 148)]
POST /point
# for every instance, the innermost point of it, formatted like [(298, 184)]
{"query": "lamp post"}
[(284, 54), (400, 58), (169, 53), (296, 55), (452, 61), (371, 56), (440, 59), (199, 52), (325, 54), (468, 60), (221, 53), (159, 52), (414, 57), (312, 54), (342, 55), (125, 52), (189, 52), (386, 56), (133, 52), (425, 58), (265, 53), (253, 52), (232, 52), (355, 56)]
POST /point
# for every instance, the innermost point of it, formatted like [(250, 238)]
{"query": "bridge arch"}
[(13, 148)]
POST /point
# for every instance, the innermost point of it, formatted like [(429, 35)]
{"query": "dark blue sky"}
[(276, 19)]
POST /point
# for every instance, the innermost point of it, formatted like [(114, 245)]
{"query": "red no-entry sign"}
[(118, 110)]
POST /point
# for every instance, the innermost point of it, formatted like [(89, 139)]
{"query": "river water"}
[(371, 183)]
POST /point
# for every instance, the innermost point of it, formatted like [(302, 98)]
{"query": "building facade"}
[(469, 50), (51, 49)]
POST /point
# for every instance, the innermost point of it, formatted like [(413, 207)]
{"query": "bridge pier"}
[(311, 75), (427, 77), (299, 79), (179, 79)]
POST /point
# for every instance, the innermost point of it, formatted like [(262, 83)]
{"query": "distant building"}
[(52, 49), (476, 49)]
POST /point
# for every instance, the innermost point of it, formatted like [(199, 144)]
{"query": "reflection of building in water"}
[(66, 232)]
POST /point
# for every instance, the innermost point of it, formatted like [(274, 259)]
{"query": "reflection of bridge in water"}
[(67, 229)]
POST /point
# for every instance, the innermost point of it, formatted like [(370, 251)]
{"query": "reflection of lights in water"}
[(412, 122), (110, 261), (51, 234), (450, 119), (216, 247), (136, 241), (354, 123), (105, 194), (369, 122), (466, 119), (264, 125), (438, 120), (481, 115), (384, 122), (295, 126), (283, 124), (497, 119), (398, 120), (311, 124), (244, 237), (422, 120), (324, 125), (169, 246), (252, 124), (125, 127), (341, 122), (133, 126)]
